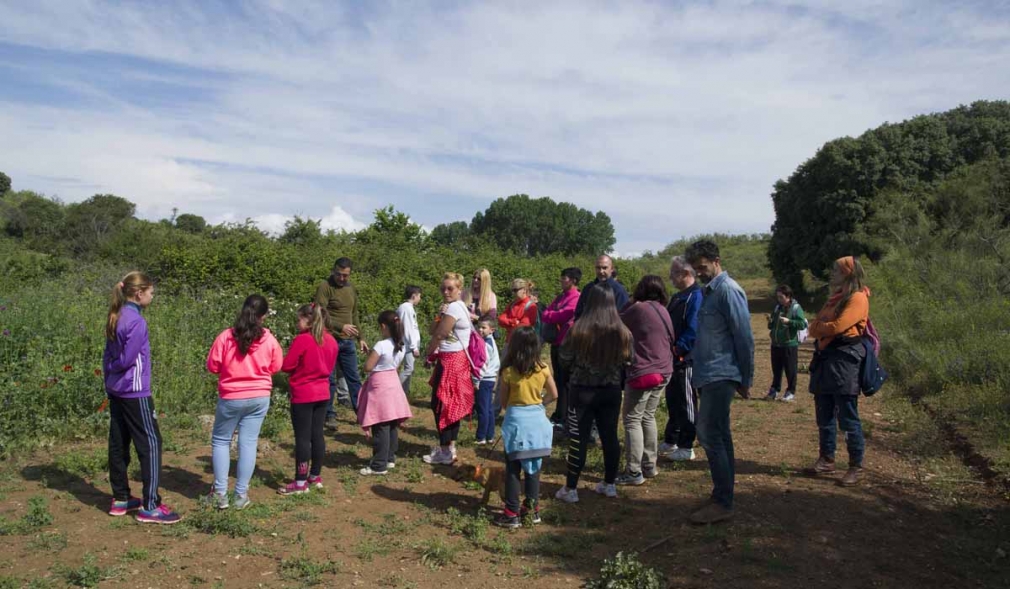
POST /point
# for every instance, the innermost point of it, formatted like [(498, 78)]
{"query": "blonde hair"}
[(455, 277), (127, 288), (317, 320), (518, 283), (484, 303)]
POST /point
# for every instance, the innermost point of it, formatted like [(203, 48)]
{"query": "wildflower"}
[(3, 307), (98, 371), (7, 333), (68, 368)]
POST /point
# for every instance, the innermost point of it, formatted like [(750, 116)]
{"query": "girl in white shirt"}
[(382, 404)]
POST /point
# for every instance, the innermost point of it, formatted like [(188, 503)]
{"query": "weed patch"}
[(626, 572), (305, 570), (436, 553)]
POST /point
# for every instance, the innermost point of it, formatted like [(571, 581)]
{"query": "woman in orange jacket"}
[(834, 372)]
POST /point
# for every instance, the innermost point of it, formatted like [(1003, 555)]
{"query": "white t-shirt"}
[(388, 360), (459, 338)]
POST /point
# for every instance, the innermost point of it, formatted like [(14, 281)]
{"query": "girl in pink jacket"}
[(244, 357)]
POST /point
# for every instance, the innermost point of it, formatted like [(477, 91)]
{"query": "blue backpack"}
[(872, 375)]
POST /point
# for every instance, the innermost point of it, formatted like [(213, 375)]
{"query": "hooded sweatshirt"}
[(562, 312), (652, 330), (126, 362), (310, 365), (244, 376)]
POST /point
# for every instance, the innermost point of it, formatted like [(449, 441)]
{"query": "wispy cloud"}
[(673, 118)]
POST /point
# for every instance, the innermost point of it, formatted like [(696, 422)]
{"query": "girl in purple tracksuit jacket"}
[(127, 368)]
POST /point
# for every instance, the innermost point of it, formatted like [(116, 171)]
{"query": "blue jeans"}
[(717, 440), (844, 409), (247, 415), (347, 359), (485, 410)]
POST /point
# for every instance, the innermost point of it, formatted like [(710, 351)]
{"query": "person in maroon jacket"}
[(649, 322)]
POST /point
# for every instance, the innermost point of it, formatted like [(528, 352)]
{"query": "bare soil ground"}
[(920, 520)]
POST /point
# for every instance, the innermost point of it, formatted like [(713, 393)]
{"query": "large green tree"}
[(541, 226), (5, 183), (91, 221), (191, 223), (826, 207)]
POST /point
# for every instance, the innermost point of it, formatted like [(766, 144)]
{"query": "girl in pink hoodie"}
[(244, 357)]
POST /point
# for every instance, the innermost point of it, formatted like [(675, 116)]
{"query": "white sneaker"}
[(567, 495), (681, 454), (367, 471), (390, 465), (437, 456), (604, 489), (481, 442), (665, 447)]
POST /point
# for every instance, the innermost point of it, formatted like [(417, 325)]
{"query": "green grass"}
[(36, 517), (305, 570), (89, 573), (436, 553), (49, 542)]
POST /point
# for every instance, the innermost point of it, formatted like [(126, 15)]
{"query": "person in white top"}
[(382, 406), (411, 333), (452, 389)]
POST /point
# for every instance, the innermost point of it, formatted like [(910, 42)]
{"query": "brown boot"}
[(823, 465), (710, 514), (852, 477)]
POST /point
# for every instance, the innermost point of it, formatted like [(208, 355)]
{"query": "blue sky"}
[(676, 118)]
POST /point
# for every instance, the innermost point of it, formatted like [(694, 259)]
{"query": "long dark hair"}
[(650, 288), (599, 337), (392, 322), (248, 327), (523, 353)]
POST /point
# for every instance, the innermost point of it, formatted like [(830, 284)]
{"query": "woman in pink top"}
[(309, 362), (244, 357)]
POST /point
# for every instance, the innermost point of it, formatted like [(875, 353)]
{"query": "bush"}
[(626, 572)]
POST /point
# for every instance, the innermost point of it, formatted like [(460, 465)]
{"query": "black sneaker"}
[(508, 519), (533, 514), (331, 423)]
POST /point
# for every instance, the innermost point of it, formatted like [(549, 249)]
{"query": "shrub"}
[(626, 572)]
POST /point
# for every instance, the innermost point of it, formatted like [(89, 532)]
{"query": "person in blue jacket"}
[(681, 398)]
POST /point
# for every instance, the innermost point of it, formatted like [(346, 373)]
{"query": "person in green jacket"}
[(785, 322)]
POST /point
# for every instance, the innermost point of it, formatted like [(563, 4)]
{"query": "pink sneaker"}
[(294, 488), (316, 481), (161, 515), (123, 507)]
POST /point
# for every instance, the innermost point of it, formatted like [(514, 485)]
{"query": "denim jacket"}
[(724, 349)]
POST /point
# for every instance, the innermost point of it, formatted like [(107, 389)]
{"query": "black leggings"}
[(449, 434), (784, 359), (587, 405), (513, 468), (307, 419)]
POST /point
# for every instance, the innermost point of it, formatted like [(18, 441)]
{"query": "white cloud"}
[(674, 119)]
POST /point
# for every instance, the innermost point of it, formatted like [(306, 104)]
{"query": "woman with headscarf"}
[(834, 372)]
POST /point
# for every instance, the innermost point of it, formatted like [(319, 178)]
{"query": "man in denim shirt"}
[(723, 365)]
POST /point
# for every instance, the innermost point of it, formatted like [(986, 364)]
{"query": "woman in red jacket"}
[(522, 311)]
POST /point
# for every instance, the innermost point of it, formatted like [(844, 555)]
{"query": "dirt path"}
[(920, 520)]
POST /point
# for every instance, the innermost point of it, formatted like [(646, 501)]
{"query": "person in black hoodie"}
[(681, 398)]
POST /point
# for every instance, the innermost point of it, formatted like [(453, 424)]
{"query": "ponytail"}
[(122, 292), (316, 317), (248, 328), (392, 322)]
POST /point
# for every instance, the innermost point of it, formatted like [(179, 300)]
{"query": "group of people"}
[(613, 358)]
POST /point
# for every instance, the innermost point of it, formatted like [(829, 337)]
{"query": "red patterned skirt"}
[(452, 389)]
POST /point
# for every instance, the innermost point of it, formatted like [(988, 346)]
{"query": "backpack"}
[(872, 375), (476, 353)]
